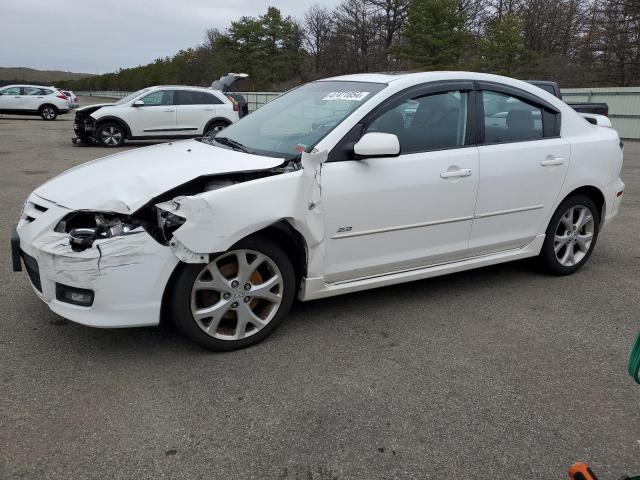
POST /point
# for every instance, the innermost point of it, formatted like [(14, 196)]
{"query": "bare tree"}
[(392, 14), (318, 29)]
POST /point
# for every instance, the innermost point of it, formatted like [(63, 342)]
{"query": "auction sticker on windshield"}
[(353, 96)]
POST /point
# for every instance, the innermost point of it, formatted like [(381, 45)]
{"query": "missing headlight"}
[(168, 223), (105, 225)]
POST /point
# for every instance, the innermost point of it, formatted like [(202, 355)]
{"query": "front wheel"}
[(571, 236), (237, 299), (48, 112), (110, 135)]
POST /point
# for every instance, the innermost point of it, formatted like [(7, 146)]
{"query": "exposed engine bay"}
[(85, 227)]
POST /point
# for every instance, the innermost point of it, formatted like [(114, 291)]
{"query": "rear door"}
[(194, 110), (32, 97), (11, 98), (523, 164), (157, 117)]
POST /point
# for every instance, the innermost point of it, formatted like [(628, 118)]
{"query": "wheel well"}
[(216, 120), (594, 194), (280, 233), (122, 123), (48, 105), (291, 241)]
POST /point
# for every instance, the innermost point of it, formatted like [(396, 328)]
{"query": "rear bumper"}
[(613, 198)]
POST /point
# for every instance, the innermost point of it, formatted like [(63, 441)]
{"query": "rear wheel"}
[(237, 299), (214, 128), (571, 235), (48, 112), (110, 134)]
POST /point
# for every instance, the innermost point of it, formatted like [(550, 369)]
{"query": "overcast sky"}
[(93, 36)]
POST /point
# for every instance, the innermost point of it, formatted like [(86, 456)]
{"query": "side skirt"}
[(314, 288)]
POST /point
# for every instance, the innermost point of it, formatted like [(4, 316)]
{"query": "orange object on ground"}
[(581, 471)]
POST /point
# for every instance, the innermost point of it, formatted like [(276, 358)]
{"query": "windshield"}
[(298, 120), (131, 96)]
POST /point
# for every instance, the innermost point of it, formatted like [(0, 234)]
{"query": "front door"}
[(385, 215), (10, 98), (157, 117)]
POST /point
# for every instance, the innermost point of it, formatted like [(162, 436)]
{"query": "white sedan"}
[(340, 185)]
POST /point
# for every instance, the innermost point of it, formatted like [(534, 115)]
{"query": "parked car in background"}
[(73, 100), (553, 88), (340, 185), (48, 102), (170, 111)]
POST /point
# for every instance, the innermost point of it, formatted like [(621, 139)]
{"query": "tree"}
[(318, 30), (502, 49), (434, 35)]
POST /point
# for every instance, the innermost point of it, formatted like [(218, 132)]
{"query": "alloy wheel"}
[(111, 135), (48, 113), (236, 295), (574, 235)]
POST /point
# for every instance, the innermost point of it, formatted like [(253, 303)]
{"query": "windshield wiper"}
[(232, 143)]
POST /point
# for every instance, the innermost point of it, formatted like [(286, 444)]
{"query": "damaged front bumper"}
[(84, 127), (126, 275)]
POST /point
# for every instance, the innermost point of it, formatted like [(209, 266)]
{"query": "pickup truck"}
[(582, 107), (595, 113)]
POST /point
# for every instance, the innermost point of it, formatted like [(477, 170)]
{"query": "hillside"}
[(33, 75)]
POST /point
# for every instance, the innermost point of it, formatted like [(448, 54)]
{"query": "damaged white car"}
[(340, 185)]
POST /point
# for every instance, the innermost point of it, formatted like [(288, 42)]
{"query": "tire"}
[(48, 112), (570, 237), (214, 128), (249, 303), (110, 134)]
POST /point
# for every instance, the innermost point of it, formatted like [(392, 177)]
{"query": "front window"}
[(131, 96), (430, 122), (158, 98), (10, 91), (298, 120)]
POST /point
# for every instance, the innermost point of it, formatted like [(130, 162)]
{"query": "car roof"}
[(421, 77), (185, 87), (27, 85)]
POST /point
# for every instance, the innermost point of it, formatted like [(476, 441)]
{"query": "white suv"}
[(157, 112), (48, 102)]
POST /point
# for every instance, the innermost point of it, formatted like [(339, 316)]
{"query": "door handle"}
[(208, 109), (551, 161), (463, 172), (169, 110)]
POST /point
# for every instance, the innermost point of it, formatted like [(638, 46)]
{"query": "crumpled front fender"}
[(217, 219)]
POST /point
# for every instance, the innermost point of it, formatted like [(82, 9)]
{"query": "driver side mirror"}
[(377, 144), (138, 103)]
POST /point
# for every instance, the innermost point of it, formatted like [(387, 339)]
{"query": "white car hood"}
[(95, 106), (124, 182)]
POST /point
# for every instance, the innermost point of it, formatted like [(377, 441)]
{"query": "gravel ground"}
[(498, 373)]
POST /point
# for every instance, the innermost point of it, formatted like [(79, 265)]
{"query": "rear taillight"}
[(61, 95), (236, 107)]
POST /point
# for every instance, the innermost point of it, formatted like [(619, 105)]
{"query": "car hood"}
[(94, 107), (124, 182)]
